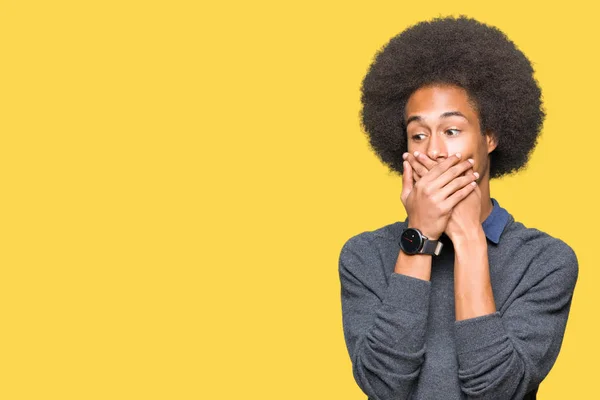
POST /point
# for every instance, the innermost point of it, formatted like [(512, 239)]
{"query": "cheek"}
[(412, 147), (467, 149), (480, 156)]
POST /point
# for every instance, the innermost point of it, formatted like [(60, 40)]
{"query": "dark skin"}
[(446, 189)]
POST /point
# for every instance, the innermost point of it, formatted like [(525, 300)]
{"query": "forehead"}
[(430, 102)]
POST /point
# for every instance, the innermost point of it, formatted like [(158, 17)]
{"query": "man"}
[(459, 300)]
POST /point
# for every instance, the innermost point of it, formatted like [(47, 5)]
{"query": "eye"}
[(452, 132), (418, 137)]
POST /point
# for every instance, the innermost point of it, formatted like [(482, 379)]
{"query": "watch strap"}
[(431, 247)]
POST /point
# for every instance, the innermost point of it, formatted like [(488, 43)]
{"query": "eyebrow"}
[(444, 115)]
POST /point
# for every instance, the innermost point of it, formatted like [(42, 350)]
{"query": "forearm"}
[(384, 326), (387, 359), (506, 353), (472, 285)]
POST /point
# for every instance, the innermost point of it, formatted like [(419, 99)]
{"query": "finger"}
[(452, 173), (458, 183), (425, 160), (407, 181), (442, 167), (416, 176), (459, 195), (418, 168)]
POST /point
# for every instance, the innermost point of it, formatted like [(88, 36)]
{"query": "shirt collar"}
[(494, 224)]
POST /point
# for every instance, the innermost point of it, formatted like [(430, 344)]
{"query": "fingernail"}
[(404, 156), (471, 161), (416, 154), (476, 174), (458, 155)]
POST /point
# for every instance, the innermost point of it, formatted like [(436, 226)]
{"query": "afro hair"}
[(458, 51)]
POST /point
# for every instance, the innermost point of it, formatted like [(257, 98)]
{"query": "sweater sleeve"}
[(384, 324), (506, 354)]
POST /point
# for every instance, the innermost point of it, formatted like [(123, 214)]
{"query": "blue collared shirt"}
[(495, 223)]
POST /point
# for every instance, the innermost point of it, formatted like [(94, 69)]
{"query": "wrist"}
[(470, 238), (414, 242), (427, 234)]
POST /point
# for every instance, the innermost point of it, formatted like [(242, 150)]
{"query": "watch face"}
[(410, 241)]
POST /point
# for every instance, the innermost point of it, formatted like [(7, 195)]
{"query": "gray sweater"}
[(402, 336)]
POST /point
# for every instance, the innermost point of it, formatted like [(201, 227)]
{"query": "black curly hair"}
[(459, 51)]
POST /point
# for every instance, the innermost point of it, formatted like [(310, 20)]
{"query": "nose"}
[(436, 148)]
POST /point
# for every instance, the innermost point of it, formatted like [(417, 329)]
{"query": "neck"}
[(486, 201)]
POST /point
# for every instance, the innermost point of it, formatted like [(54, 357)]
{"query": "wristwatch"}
[(413, 241)]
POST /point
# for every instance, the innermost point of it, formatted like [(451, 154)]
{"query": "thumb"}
[(407, 181)]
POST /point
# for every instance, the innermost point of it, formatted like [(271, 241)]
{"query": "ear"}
[(491, 140)]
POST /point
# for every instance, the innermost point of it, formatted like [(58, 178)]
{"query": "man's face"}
[(441, 122)]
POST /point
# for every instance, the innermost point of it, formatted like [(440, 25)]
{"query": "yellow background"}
[(178, 179)]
